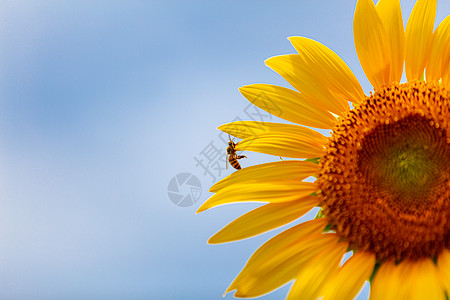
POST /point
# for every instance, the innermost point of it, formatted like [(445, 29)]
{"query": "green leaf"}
[(313, 160), (423, 77), (375, 269)]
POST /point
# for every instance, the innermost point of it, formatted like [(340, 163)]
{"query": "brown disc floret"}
[(385, 177)]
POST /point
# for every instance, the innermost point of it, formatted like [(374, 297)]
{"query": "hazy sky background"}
[(101, 104)]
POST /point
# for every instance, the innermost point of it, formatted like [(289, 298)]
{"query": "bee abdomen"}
[(234, 163)]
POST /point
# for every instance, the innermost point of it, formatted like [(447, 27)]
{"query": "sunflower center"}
[(404, 158), (385, 177)]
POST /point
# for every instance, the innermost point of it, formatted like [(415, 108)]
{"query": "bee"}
[(232, 156)]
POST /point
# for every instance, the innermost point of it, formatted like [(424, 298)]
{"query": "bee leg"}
[(281, 158), (241, 156)]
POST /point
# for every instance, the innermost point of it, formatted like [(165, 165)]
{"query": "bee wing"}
[(226, 159)]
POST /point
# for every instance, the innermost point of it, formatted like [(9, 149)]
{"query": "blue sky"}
[(101, 104)]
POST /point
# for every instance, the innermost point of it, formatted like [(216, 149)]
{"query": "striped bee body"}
[(232, 156), (233, 161)]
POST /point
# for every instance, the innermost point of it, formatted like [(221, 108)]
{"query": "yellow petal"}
[(287, 240), (351, 277), (282, 255), (330, 70), (311, 279), (246, 129), (445, 69), (264, 218), (371, 43), (265, 192), (285, 140), (389, 284), (269, 172), (418, 37), (385, 279), (282, 145), (408, 280), (426, 283), (295, 71), (444, 268), (390, 14), (437, 55), (288, 104)]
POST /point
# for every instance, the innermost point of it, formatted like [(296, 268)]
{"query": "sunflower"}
[(381, 179)]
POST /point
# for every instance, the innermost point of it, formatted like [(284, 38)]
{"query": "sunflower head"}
[(382, 177), (385, 177)]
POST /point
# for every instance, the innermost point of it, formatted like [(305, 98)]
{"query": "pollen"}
[(385, 177)]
